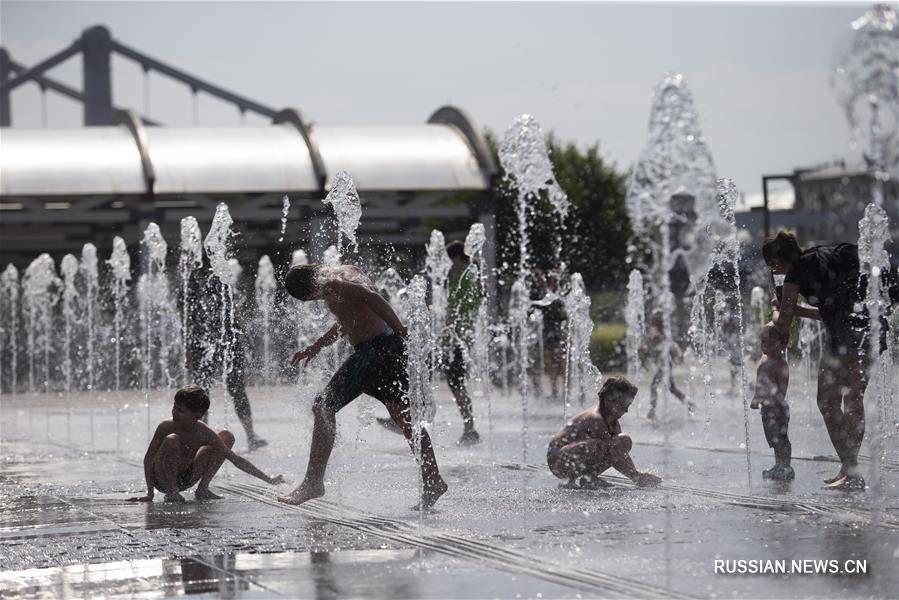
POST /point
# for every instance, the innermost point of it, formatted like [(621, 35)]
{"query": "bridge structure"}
[(61, 188)]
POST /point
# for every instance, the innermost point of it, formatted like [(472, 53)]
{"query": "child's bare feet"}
[(587, 483), (431, 494), (255, 443), (647, 480), (174, 497), (303, 493), (205, 494), (836, 477), (846, 483), (469, 438)]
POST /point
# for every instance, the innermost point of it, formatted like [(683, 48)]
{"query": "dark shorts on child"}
[(377, 367), (456, 367), (776, 422), (565, 462), (182, 480)]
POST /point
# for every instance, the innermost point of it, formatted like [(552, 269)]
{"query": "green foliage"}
[(595, 235), (607, 346)]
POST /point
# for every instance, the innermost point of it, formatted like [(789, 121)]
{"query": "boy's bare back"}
[(361, 312), (588, 425)]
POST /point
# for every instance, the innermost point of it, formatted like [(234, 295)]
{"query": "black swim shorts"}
[(377, 367)]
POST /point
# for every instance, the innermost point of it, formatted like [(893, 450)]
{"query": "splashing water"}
[(481, 338), (475, 240), (675, 160), (9, 294), (635, 317), (218, 243), (344, 200), (91, 276), (69, 269), (190, 259), (235, 271), (582, 378), (437, 267), (525, 159), (218, 248), (265, 287), (331, 257), (672, 195), (40, 290), (120, 266), (524, 155), (519, 303), (285, 209), (156, 302), (874, 235), (727, 195), (298, 257), (864, 80), (810, 345), (390, 284), (758, 311), (419, 345)]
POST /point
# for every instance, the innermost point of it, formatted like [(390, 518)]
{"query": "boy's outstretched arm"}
[(243, 464), (149, 459), (624, 464), (312, 351), (248, 467)]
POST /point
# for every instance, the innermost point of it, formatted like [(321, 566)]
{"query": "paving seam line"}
[(739, 499), (591, 580), (127, 532), (889, 465), (459, 547), (212, 566)]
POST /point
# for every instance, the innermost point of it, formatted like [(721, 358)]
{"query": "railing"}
[(96, 47)]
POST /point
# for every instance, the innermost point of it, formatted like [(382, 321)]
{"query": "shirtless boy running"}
[(377, 367), (592, 441)]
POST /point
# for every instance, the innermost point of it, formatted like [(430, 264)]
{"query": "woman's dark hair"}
[(300, 281), (781, 247), (457, 248), (194, 398)]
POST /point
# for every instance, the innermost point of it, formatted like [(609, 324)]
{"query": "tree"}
[(595, 236)]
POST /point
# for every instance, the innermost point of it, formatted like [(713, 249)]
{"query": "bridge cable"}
[(196, 105), (146, 83), (44, 119)]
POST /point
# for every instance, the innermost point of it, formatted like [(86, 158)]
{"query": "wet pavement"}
[(505, 529)]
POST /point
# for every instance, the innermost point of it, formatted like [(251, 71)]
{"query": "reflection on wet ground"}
[(504, 529)]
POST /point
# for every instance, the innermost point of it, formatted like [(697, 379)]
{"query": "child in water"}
[(185, 452), (771, 381), (592, 442)]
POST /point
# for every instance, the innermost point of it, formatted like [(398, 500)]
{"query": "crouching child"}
[(592, 442), (185, 452)]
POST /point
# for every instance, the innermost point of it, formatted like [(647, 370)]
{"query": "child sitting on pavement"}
[(771, 381), (592, 442), (185, 452)]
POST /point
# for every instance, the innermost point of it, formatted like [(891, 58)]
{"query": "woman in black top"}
[(828, 278)]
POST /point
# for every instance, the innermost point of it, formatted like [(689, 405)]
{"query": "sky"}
[(760, 73)]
